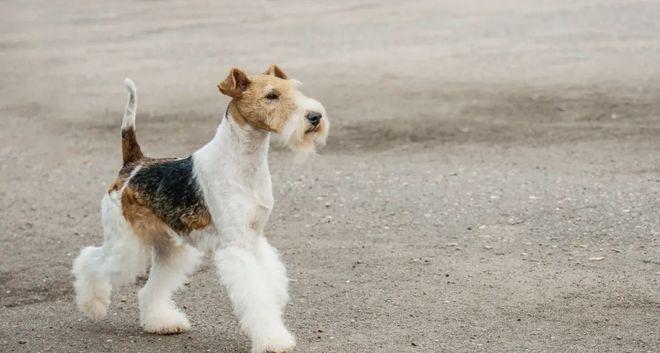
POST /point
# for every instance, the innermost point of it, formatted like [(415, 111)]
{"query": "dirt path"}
[(491, 183)]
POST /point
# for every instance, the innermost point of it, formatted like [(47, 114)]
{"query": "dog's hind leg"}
[(169, 269), (119, 260)]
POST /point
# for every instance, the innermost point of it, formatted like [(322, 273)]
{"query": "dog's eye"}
[(272, 96)]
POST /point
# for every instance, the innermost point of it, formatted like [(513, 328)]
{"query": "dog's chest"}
[(259, 197)]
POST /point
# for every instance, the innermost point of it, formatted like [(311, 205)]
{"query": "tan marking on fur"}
[(151, 231), (235, 83), (238, 118), (116, 185), (196, 221), (242, 121), (275, 70), (130, 148), (249, 103), (123, 175)]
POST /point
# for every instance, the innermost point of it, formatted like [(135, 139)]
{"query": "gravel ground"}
[(490, 184)]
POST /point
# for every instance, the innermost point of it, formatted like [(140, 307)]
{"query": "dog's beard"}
[(300, 137)]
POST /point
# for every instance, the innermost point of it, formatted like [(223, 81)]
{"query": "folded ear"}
[(235, 83), (275, 70)]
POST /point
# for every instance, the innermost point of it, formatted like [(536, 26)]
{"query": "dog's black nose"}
[(314, 117)]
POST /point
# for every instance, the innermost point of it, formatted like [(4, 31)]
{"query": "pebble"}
[(513, 221)]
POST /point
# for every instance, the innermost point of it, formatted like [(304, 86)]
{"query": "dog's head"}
[(273, 102)]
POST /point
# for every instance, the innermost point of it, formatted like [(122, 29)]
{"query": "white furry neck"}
[(245, 140), (238, 150)]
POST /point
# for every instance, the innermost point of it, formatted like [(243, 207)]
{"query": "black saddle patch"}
[(172, 193)]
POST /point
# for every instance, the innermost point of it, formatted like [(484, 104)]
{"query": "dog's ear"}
[(275, 70), (235, 83)]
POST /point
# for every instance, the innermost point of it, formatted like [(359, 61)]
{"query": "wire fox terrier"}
[(219, 199)]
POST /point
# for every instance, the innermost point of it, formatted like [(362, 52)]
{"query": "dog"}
[(173, 210)]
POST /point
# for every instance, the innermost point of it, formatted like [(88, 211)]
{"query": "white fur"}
[(131, 104), (294, 128), (119, 260), (232, 170), (158, 313), (233, 173)]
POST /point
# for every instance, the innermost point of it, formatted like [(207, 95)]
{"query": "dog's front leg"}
[(256, 295)]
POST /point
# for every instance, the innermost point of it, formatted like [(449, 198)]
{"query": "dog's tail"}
[(130, 148)]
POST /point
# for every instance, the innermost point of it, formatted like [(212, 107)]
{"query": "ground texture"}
[(491, 183)]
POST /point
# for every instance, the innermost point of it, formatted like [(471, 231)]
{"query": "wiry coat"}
[(219, 198)]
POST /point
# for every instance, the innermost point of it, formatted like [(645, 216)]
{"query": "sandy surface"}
[(490, 185)]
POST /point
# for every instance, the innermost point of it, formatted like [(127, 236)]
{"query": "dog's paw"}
[(169, 323), (280, 343), (94, 308)]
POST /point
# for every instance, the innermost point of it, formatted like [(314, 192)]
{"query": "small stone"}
[(513, 221), (596, 258)]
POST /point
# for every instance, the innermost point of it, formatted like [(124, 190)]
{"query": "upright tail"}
[(130, 148)]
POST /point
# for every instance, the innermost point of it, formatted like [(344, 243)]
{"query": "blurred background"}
[(490, 182)]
